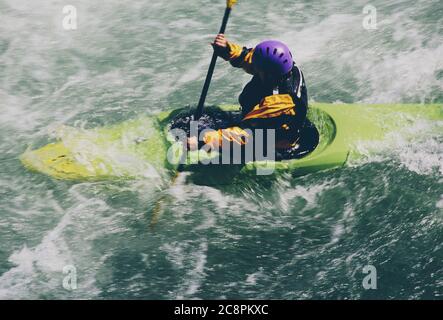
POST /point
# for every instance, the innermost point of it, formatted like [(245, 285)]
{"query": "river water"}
[(299, 238)]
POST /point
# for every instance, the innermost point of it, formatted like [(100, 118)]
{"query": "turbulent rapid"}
[(309, 237)]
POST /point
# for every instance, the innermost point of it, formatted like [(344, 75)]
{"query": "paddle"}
[(157, 207), (201, 103)]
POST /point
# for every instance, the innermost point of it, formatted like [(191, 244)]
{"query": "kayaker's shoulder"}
[(297, 72)]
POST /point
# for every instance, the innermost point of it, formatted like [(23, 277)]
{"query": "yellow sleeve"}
[(235, 56), (215, 139)]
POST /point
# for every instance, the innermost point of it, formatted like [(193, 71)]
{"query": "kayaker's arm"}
[(238, 56), (241, 57), (216, 138)]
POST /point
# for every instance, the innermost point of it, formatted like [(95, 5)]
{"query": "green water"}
[(296, 238)]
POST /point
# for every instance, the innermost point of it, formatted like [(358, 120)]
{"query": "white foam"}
[(418, 147), (38, 270), (191, 263), (339, 46), (439, 204), (310, 194), (49, 256), (16, 114), (251, 279)]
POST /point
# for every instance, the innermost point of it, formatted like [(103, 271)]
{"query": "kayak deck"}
[(139, 148), (124, 151)]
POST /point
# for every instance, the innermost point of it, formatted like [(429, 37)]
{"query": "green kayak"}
[(139, 148)]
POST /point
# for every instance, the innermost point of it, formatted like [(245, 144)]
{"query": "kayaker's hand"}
[(193, 143), (221, 47)]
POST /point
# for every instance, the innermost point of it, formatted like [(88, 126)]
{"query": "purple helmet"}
[(273, 57)]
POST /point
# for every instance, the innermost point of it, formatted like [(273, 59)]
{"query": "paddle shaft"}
[(199, 111), (205, 90)]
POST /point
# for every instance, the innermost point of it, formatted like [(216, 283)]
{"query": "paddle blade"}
[(230, 3)]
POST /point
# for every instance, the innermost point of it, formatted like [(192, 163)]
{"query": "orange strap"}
[(273, 106)]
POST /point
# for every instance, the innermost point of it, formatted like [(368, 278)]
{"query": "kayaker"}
[(275, 98)]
